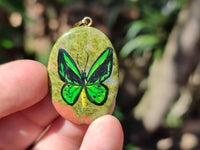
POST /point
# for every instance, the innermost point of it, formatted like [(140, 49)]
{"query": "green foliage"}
[(12, 6), (140, 43), (118, 113), (130, 147), (10, 37), (6, 43), (150, 31), (174, 119), (135, 28), (173, 122), (179, 108), (157, 54)]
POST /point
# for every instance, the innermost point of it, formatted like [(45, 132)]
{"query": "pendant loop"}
[(86, 21)]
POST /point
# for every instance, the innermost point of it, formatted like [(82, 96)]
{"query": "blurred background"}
[(158, 46)]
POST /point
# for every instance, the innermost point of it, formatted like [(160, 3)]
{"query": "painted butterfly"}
[(90, 85)]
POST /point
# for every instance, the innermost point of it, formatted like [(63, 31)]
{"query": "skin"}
[(26, 110)]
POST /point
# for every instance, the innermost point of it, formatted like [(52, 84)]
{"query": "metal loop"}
[(86, 21)]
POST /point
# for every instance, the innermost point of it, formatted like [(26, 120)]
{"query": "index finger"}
[(23, 83)]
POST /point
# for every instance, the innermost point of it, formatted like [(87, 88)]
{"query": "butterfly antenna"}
[(86, 62)]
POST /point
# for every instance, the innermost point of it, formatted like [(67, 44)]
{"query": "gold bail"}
[(86, 21)]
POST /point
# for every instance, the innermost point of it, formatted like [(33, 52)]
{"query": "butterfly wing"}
[(70, 93), (69, 73), (67, 69), (102, 67), (96, 91)]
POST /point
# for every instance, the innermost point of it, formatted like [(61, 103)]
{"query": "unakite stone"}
[(83, 73)]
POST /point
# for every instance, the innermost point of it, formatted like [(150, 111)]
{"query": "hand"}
[(26, 111)]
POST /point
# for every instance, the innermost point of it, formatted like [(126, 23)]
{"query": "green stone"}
[(85, 45)]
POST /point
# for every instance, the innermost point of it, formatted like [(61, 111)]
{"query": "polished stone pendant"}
[(83, 73)]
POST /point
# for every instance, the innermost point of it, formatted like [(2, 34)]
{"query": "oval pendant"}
[(83, 73)]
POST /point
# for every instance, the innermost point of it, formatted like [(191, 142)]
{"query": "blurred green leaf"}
[(7, 43), (179, 108), (157, 54), (118, 113), (173, 122), (135, 28), (130, 147), (140, 44)]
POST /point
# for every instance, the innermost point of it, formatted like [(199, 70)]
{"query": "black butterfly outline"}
[(92, 83)]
